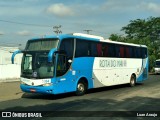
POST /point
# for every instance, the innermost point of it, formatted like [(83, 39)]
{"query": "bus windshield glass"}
[(42, 44), (36, 65)]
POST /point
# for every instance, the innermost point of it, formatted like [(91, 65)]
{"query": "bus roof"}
[(122, 43), (88, 37), (73, 35)]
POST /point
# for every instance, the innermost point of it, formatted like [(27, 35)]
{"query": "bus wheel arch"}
[(81, 86), (133, 80)]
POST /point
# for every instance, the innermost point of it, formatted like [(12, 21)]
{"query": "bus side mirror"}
[(50, 54), (14, 54)]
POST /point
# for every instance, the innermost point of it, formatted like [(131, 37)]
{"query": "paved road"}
[(143, 97)]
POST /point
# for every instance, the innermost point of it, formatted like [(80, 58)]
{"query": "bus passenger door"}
[(61, 65), (64, 76)]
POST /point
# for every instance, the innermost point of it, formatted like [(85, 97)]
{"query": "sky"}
[(21, 20)]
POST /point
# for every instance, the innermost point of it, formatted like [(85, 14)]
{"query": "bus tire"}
[(81, 88), (132, 81)]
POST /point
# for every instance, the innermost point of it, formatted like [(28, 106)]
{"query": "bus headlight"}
[(47, 84)]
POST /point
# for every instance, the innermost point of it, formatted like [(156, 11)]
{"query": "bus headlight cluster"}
[(47, 84)]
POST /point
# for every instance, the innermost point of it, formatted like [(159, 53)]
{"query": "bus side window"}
[(111, 50), (99, 49), (144, 52), (117, 51), (137, 52), (127, 52), (122, 51), (67, 46), (105, 50), (93, 52), (82, 48)]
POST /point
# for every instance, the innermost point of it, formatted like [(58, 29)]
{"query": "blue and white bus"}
[(78, 62)]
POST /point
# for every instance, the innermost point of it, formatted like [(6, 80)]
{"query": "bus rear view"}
[(157, 67)]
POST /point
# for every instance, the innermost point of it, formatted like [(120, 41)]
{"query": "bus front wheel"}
[(132, 81), (81, 88)]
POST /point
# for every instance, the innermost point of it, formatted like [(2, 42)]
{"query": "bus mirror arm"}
[(14, 54), (50, 54)]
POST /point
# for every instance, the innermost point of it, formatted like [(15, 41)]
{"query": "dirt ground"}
[(10, 90)]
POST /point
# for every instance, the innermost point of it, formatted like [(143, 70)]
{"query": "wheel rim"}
[(80, 87)]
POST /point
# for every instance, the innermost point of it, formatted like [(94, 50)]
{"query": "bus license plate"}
[(32, 90)]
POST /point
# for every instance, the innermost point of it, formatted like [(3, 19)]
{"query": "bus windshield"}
[(36, 65), (35, 58)]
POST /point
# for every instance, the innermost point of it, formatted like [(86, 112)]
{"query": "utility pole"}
[(57, 31), (87, 31)]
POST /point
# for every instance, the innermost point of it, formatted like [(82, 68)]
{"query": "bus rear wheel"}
[(81, 88), (132, 81)]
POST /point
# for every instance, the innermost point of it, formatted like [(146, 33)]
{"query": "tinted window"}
[(144, 52), (117, 52), (96, 49), (129, 52), (122, 48), (42, 44), (137, 52), (82, 48), (61, 65), (105, 50), (67, 46), (111, 50), (99, 50), (93, 49)]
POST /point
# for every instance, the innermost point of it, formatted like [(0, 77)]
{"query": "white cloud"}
[(153, 7), (24, 33), (60, 10)]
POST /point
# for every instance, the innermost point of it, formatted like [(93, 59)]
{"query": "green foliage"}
[(143, 31), (151, 62)]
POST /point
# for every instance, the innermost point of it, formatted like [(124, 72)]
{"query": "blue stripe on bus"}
[(144, 75), (84, 67), (81, 68), (37, 89)]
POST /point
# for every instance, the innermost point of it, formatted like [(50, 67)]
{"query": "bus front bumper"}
[(37, 89)]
